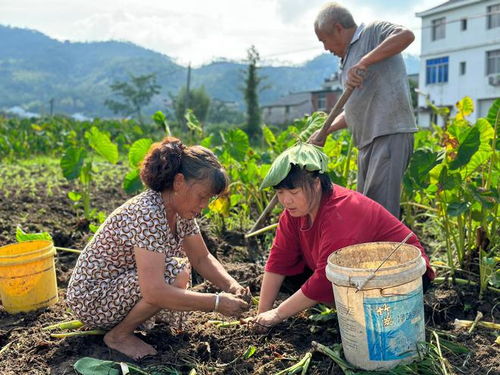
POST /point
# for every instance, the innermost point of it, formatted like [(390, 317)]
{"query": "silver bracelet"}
[(217, 300)]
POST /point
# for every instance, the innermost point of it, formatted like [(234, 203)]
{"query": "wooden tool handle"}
[(337, 108)]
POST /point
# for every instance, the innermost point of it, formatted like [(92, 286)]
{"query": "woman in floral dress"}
[(138, 263)]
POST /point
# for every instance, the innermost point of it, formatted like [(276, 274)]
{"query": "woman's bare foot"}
[(130, 345)]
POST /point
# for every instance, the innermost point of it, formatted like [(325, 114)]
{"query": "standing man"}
[(379, 111)]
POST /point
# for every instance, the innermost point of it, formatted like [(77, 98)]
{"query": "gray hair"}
[(332, 13)]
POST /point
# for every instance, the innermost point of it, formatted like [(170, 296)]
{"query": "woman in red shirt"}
[(319, 218)]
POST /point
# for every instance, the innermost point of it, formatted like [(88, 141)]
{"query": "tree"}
[(252, 82), (223, 113), (414, 97), (136, 94), (199, 102)]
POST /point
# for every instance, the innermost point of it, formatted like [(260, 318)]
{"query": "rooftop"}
[(447, 5)]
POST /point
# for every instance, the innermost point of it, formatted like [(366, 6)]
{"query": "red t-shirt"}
[(344, 218)]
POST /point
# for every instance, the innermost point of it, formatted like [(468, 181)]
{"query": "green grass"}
[(42, 174)]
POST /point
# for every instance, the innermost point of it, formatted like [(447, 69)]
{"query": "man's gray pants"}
[(381, 166)]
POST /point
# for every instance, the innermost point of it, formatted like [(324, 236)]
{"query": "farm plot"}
[(39, 201)]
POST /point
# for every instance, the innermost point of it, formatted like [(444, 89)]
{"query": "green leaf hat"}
[(305, 155)]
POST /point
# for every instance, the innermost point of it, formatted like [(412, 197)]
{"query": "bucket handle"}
[(383, 294), (372, 275)]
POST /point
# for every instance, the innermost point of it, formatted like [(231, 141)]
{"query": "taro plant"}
[(465, 200), (241, 163), (81, 162), (132, 181), (460, 183)]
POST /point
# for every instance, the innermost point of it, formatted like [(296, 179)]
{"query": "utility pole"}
[(188, 84), (51, 102)]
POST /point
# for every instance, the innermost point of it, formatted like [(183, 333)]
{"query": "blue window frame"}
[(436, 70)]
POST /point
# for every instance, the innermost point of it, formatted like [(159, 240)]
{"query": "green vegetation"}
[(252, 83), (197, 100), (451, 185), (450, 194), (78, 75), (135, 94)]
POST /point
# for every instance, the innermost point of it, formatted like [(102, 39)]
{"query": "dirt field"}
[(197, 344)]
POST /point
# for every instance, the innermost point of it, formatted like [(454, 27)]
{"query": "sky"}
[(197, 32)]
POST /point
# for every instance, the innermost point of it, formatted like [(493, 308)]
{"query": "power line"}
[(415, 29)]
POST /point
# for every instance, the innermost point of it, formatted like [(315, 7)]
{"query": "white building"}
[(460, 56)]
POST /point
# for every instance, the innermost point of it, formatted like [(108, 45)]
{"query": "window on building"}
[(438, 28), (463, 24), (436, 70), (493, 62), (462, 68), (494, 16), (321, 101)]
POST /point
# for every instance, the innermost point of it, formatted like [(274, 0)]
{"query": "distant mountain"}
[(35, 68)]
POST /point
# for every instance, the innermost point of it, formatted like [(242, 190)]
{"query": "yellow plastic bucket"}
[(27, 276), (382, 323)]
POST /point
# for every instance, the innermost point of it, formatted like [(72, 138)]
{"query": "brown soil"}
[(198, 344)]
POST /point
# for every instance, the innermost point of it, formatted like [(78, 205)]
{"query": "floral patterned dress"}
[(104, 286)]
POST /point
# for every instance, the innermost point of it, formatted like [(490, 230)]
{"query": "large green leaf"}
[(192, 122), (236, 143), (313, 123), (485, 150), (207, 141), (72, 162), (449, 181), (159, 118), (304, 155), (487, 198), (493, 113), (94, 366), (138, 150), (268, 136), (465, 107), (468, 147), (421, 163), (102, 144), (22, 236), (457, 208), (132, 182)]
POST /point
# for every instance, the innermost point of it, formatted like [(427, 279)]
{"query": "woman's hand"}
[(241, 292), (266, 320), (232, 305)]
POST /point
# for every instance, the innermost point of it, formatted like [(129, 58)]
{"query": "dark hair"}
[(300, 178), (170, 156)]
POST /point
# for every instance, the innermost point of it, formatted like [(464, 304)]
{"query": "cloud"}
[(199, 31)]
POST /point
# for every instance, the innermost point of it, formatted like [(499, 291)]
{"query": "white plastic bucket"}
[(381, 324)]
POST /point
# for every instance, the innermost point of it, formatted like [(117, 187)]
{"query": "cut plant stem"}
[(95, 332), (478, 317), (262, 230), (440, 354), (458, 281), (72, 324), (223, 324), (68, 250), (306, 365), (299, 366), (334, 355), (468, 323), (6, 347)]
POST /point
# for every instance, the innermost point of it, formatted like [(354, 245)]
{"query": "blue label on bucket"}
[(394, 325)]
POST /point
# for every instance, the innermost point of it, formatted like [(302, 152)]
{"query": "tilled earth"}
[(196, 343)]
